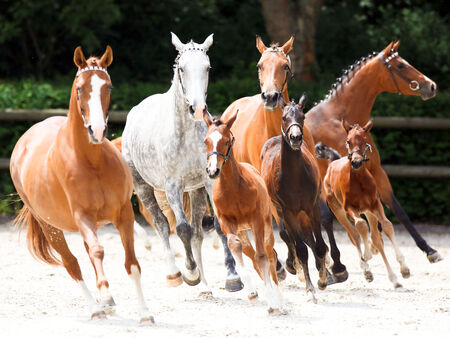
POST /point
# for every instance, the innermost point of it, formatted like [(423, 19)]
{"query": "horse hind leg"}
[(387, 196), (320, 250), (301, 265), (124, 224), (174, 195)]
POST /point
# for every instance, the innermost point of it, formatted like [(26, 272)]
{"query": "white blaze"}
[(97, 120), (215, 137)]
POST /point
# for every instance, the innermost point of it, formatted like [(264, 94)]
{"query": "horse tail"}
[(326, 152), (37, 243)]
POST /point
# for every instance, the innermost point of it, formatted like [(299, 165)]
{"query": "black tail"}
[(323, 151)]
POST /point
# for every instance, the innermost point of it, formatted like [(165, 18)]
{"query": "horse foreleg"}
[(174, 194), (339, 270), (387, 196), (321, 248), (146, 194), (58, 242), (198, 208), (377, 241), (87, 227), (233, 282), (124, 224)]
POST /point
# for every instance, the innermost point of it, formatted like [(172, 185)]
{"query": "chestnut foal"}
[(293, 180), (242, 202), (351, 191)]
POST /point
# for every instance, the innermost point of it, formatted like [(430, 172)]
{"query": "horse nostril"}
[(91, 132), (275, 97), (191, 110), (263, 96), (433, 87)]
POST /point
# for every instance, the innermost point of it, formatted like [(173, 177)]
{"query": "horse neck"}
[(230, 175), (77, 133), (357, 97), (181, 119), (272, 119)]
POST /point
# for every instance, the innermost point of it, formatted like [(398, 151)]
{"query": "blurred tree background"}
[(37, 40)]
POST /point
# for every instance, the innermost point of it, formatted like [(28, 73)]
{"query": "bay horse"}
[(71, 178), (242, 203), (163, 145), (293, 180), (351, 98), (351, 190), (260, 119)]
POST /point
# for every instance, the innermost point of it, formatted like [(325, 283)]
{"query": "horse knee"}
[(234, 244), (97, 251), (184, 231)]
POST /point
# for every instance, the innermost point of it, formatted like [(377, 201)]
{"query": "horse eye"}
[(286, 67), (401, 66), (259, 67)]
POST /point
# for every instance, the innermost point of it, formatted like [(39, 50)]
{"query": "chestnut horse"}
[(71, 178), (242, 203), (352, 98), (293, 180), (351, 190), (260, 119)]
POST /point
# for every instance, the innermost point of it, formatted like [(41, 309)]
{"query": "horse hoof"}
[(108, 305), (273, 311), (322, 285), (253, 296), (174, 280), (100, 314), (281, 274), (368, 276), (398, 286), (192, 282), (147, 320), (405, 273), (233, 285), (434, 257), (340, 277)]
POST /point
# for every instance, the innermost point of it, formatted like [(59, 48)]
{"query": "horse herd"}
[(257, 162)]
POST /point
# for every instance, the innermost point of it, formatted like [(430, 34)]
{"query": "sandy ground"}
[(37, 300)]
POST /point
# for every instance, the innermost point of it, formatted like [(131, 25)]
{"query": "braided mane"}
[(347, 75)]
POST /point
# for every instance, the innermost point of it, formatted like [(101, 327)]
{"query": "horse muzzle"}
[(270, 100), (213, 174), (427, 91), (356, 165), (97, 134), (295, 141)]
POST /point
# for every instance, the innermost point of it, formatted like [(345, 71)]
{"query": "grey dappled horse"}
[(163, 145)]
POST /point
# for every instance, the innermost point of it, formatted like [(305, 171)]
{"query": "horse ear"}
[(208, 42), (396, 44), (207, 117), (260, 44), (387, 51), (78, 58), (177, 43), (346, 125), (368, 126), (302, 101), (231, 120), (107, 58), (287, 47)]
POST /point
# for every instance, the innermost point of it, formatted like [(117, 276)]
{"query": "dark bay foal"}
[(242, 203), (351, 191), (293, 180)]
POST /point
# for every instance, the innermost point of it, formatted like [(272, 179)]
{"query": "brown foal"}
[(71, 178), (351, 190), (293, 180), (242, 203)]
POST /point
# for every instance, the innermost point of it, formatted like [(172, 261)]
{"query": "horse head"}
[(404, 78), (357, 143), (219, 142), (274, 69), (93, 86), (293, 119), (192, 70)]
